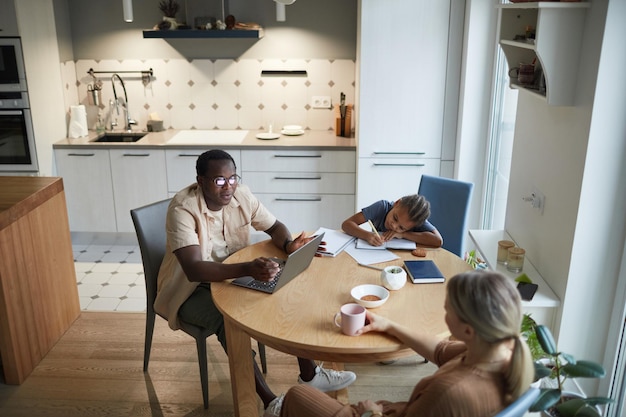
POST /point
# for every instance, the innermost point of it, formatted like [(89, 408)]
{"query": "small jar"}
[(503, 250), (515, 259)]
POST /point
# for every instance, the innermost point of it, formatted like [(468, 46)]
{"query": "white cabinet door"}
[(88, 189), (390, 179), (403, 72), (139, 178), (307, 212), (181, 167)]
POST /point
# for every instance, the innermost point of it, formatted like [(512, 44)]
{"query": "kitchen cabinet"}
[(304, 189), (181, 167), (8, 19), (405, 97), (88, 187), (138, 179), (555, 48)]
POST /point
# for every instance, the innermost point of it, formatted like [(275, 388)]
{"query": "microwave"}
[(12, 73)]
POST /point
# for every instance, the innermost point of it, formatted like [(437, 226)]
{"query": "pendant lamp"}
[(128, 10)]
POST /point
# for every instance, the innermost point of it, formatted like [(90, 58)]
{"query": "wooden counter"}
[(38, 292)]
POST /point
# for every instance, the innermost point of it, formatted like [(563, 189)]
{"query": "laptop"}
[(296, 262)]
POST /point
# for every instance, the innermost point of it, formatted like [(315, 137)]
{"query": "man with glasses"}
[(206, 222)]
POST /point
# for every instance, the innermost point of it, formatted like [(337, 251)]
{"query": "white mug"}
[(352, 318)]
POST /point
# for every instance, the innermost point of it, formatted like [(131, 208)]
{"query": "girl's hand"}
[(375, 240)]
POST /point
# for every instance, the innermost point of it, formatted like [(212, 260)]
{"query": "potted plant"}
[(169, 8), (560, 367)]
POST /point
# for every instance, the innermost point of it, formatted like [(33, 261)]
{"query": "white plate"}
[(292, 127), (292, 132), (267, 136)]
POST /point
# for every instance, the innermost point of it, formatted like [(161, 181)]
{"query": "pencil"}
[(371, 267), (373, 228)]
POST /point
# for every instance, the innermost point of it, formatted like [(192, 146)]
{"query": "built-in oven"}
[(12, 73), (17, 141)]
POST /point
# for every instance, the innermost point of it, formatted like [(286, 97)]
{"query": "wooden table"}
[(38, 292), (298, 319)]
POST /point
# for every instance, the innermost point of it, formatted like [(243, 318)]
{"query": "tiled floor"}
[(109, 274)]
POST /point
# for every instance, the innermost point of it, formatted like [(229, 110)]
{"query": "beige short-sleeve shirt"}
[(189, 223)]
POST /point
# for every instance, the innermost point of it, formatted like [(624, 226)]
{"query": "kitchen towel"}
[(78, 121)]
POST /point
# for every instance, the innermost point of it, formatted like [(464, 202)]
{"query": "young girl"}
[(485, 368), (407, 218)]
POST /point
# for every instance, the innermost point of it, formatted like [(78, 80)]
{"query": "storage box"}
[(347, 122)]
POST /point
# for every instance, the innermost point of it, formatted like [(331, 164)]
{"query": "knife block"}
[(347, 122)]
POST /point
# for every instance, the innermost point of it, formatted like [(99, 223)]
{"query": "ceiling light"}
[(280, 9), (128, 10)]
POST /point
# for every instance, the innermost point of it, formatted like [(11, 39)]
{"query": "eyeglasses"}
[(221, 181)]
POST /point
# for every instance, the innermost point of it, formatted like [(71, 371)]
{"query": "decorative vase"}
[(393, 277), (171, 21)]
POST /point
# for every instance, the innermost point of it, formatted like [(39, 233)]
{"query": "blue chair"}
[(519, 407), (449, 207), (149, 222)]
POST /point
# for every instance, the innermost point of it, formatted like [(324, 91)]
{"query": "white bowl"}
[(361, 291)]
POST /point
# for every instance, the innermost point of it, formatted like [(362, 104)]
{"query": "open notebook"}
[(335, 241)]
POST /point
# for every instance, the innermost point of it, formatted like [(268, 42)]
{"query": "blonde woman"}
[(484, 367)]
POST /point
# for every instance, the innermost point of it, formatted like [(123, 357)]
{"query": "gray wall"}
[(313, 29)]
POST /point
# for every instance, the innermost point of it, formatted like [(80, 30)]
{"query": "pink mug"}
[(352, 318)]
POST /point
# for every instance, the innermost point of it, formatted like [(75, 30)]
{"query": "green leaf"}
[(544, 336), (598, 400), (570, 407), (541, 371), (547, 398), (524, 278), (584, 369)]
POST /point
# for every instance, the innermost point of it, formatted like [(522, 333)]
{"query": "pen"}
[(371, 267), (373, 228)]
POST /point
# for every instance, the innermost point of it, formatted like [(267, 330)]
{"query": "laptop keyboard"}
[(267, 285)]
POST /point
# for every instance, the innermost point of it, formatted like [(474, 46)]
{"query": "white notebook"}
[(391, 244), (336, 241)]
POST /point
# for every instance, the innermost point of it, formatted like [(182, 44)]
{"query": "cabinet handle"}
[(298, 199), (297, 156), (136, 154), (397, 165), (80, 154), (400, 153), (297, 178), (188, 154)]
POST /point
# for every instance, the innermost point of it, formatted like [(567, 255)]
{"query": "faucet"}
[(129, 121)]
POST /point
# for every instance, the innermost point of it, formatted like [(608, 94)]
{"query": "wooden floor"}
[(96, 370)]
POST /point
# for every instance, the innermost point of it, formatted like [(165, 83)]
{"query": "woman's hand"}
[(375, 322), (366, 405)]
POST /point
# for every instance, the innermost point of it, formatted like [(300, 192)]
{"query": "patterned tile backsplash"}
[(213, 93)]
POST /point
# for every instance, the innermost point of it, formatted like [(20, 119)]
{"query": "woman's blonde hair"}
[(490, 303)]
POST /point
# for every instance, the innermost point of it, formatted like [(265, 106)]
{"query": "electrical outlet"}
[(538, 199), (320, 102)]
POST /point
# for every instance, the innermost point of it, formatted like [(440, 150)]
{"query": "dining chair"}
[(149, 222), (520, 406), (449, 207)]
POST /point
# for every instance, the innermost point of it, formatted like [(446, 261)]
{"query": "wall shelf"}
[(203, 34), (556, 48)]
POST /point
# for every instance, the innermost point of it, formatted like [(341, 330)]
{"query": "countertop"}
[(311, 139), (19, 195)]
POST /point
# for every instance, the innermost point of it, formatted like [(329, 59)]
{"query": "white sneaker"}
[(273, 409), (329, 380)]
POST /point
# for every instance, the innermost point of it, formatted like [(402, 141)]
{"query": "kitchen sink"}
[(120, 137)]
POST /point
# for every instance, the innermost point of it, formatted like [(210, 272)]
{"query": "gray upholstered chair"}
[(149, 224), (449, 207)]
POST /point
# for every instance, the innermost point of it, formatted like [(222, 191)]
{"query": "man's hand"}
[(263, 269)]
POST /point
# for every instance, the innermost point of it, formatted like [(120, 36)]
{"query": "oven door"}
[(12, 74), (17, 142)]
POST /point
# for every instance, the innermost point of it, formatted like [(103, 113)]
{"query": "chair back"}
[(449, 207), (149, 224), (520, 406)]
